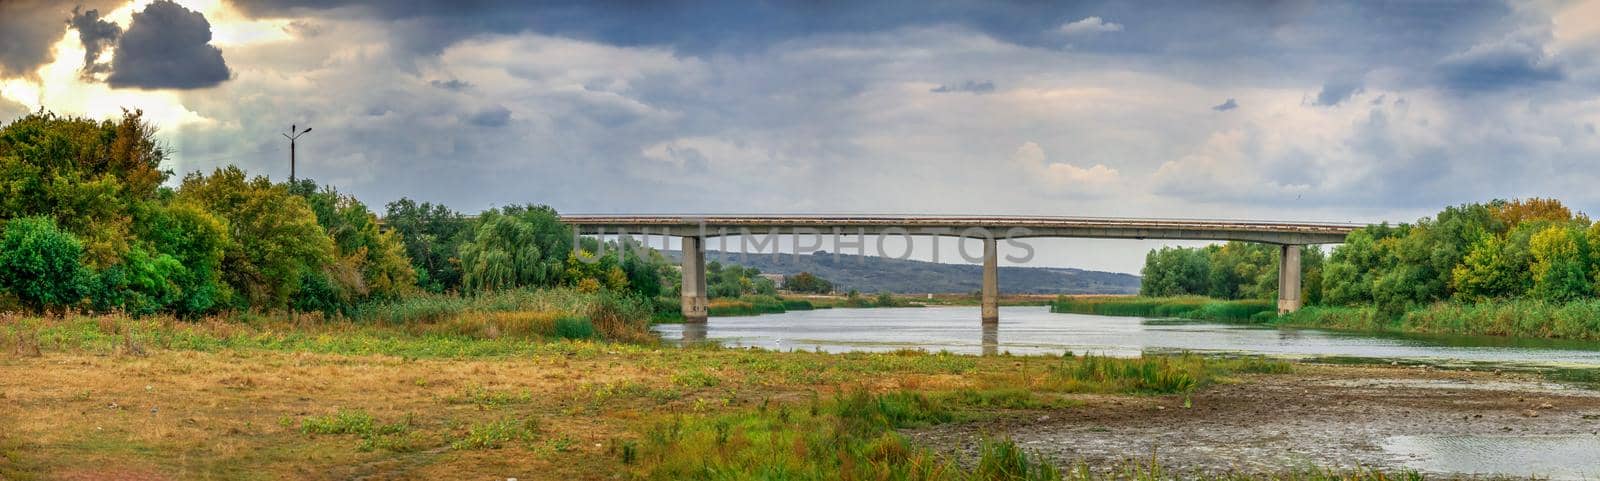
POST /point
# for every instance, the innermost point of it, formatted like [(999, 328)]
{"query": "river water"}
[(1036, 330)]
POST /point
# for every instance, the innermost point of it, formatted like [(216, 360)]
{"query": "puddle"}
[(1464, 385), (1567, 457)]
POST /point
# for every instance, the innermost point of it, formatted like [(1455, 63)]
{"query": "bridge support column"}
[(1288, 278), (694, 279), (991, 282)]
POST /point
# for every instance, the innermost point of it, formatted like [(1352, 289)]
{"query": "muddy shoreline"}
[(1329, 416)]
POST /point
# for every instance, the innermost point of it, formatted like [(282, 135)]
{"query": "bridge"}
[(695, 229)]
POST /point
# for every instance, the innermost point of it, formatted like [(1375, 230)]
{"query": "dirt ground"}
[(1321, 416)]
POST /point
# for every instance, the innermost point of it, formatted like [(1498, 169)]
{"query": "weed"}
[(497, 434)]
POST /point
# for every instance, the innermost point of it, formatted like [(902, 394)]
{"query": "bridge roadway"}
[(694, 229)]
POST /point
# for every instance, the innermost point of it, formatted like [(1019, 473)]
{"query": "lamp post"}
[(292, 136)]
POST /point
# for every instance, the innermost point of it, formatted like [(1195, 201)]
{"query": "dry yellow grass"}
[(237, 413)]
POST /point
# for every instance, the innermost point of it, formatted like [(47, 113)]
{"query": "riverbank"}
[(1394, 419), (1199, 308), (1575, 320), (113, 397), (667, 311), (1578, 320)]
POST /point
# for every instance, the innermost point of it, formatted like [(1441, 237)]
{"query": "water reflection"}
[(1035, 330), (1549, 457), (991, 338), (693, 332)]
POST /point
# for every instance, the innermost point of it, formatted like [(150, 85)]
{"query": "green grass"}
[(480, 396), (1152, 375), (1514, 318), (855, 436), (1203, 308), (498, 434)]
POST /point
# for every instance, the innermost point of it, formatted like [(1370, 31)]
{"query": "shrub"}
[(41, 265)]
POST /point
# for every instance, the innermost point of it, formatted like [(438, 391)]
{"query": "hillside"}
[(876, 274)]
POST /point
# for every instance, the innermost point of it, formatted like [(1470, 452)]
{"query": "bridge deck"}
[(1012, 226)]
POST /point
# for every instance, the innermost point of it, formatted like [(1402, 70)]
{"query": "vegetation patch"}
[(498, 434), (1188, 307)]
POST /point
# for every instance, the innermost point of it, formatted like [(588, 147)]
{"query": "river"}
[(1036, 330), (1432, 423)]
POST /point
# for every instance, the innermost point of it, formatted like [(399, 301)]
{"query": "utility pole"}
[(292, 136)]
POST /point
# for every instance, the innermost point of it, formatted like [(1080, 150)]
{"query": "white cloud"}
[(1089, 26), (1093, 180)]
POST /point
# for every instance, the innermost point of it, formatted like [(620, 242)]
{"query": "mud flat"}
[(1391, 418)]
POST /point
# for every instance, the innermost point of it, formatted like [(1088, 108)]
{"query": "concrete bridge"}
[(695, 229)]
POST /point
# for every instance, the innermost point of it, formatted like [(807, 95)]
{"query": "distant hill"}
[(876, 274)]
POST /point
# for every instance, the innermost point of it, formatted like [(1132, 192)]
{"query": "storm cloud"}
[(1287, 110), (28, 28), (970, 86), (167, 46), (96, 35)]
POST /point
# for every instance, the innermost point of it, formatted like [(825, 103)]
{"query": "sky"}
[(1294, 110)]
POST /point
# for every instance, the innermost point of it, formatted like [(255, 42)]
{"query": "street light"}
[(292, 136)]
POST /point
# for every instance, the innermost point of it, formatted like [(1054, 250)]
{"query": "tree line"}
[(1499, 250), (87, 223)]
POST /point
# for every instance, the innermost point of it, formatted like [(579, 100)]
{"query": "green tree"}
[(516, 246), (42, 265), (1176, 271), (807, 282), (1560, 263), (1486, 272), (433, 235), (85, 174), (377, 258), (275, 241)]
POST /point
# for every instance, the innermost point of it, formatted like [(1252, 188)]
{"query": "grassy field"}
[(487, 393)]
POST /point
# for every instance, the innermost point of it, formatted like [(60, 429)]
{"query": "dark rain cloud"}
[(96, 34), (28, 28), (453, 85), (1225, 106), (496, 116), (970, 86), (167, 47), (1319, 34), (1506, 64), (1336, 92)]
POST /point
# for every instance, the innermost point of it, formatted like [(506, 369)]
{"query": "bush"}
[(41, 265)]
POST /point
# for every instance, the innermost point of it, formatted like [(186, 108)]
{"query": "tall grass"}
[(854, 437), (750, 305), (1189, 307), (1517, 318), (483, 326), (850, 437), (1151, 375)]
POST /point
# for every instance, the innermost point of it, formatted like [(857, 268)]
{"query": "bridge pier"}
[(694, 280), (1288, 278), (991, 282)]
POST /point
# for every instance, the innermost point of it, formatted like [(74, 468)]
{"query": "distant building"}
[(776, 278)]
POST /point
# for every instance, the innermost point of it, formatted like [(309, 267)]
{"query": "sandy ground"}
[(1324, 416)]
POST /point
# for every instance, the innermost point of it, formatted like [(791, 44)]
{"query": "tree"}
[(85, 174), (41, 265), (433, 235), (1511, 213), (1485, 273), (514, 247), (275, 241), (1176, 271), (376, 258), (1560, 263), (807, 282)]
